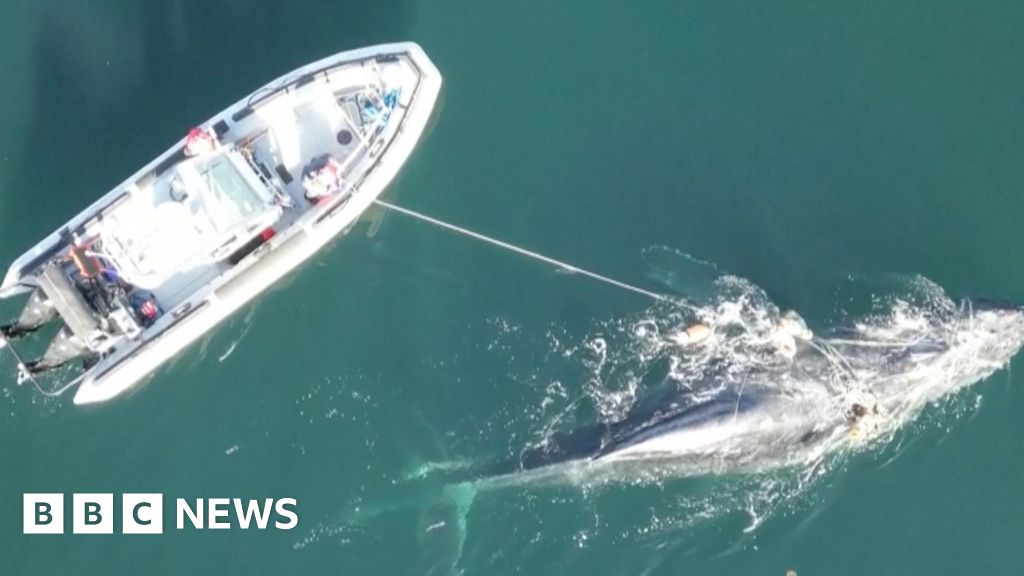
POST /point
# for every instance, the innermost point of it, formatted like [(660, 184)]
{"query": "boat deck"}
[(172, 247), (341, 112), (173, 234), (222, 215)]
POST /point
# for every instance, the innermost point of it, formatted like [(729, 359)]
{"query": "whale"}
[(741, 414), (775, 414)]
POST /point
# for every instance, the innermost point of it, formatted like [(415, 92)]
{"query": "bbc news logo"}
[(144, 513)]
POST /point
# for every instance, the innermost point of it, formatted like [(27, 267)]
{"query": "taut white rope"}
[(565, 266)]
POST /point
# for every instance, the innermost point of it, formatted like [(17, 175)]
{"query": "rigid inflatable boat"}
[(241, 200)]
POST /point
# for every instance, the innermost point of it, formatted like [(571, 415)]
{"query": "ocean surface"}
[(814, 149)]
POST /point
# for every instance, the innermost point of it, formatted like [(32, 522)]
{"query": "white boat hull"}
[(117, 373)]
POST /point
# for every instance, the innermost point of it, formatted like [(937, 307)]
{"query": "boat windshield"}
[(229, 188)]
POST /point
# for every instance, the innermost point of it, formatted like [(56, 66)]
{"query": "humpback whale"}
[(852, 385), (728, 406)]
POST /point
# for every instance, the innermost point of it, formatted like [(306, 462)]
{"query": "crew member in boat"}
[(199, 141), (145, 306), (321, 178)]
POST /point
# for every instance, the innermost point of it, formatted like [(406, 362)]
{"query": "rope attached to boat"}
[(557, 263)]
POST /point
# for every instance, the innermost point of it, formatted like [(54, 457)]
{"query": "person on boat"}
[(145, 306), (199, 141), (321, 178)]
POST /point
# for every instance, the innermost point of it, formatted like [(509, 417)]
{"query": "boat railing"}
[(291, 82)]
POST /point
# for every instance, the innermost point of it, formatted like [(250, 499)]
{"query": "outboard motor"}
[(64, 346), (82, 330), (37, 311)]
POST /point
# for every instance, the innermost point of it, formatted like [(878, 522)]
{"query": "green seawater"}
[(795, 144)]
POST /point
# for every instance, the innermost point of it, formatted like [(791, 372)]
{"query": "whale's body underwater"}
[(727, 407), (781, 413)]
